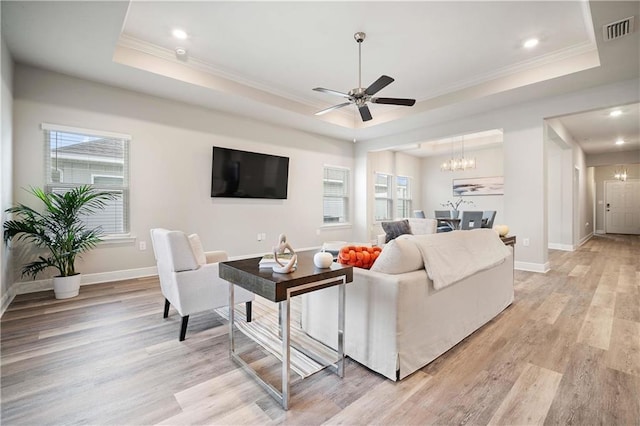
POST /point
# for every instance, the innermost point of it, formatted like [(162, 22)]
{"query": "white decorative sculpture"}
[(283, 245)]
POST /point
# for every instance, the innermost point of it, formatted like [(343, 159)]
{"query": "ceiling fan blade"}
[(394, 101), (331, 92), (378, 85), (365, 113), (326, 110)]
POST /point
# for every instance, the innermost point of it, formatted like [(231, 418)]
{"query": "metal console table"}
[(280, 288)]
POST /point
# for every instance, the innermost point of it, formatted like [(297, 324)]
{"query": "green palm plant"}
[(59, 228)]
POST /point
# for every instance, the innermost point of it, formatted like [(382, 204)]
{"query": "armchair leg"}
[(248, 306), (183, 328), (166, 308)]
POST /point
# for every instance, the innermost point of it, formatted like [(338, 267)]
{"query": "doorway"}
[(622, 207)]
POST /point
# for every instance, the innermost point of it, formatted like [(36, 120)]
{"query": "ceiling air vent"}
[(617, 29)]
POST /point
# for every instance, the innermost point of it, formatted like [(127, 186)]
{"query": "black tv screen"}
[(243, 174)]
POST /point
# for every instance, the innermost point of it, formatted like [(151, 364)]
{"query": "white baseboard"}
[(585, 239), (600, 231), (532, 267), (87, 279), (563, 247)]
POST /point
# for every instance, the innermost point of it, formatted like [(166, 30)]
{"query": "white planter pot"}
[(66, 287)]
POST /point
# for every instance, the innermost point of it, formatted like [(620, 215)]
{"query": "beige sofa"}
[(396, 320)]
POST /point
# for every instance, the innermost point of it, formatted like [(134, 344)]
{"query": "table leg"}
[(231, 319), (284, 331), (341, 297)]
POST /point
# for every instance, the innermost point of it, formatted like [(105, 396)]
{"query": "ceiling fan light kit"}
[(361, 96)]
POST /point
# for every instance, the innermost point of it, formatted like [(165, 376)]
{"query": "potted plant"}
[(60, 230), (454, 206)]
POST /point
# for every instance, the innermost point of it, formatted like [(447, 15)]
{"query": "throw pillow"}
[(395, 229), (399, 256), (181, 252), (198, 251), (423, 226)]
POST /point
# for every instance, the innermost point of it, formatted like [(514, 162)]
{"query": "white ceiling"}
[(261, 59)]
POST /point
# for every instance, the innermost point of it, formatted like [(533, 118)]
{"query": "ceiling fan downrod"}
[(360, 36)]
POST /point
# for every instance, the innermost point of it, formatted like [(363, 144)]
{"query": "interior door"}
[(622, 207)]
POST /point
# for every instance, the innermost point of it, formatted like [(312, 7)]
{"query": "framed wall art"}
[(479, 186)]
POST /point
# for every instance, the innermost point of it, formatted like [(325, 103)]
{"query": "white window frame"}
[(346, 197), (388, 199), (123, 189), (407, 201)]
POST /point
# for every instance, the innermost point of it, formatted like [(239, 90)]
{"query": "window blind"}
[(383, 197), (403, 195), (335, 207)]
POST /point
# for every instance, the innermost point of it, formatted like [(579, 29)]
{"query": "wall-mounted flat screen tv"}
[(243, 174)]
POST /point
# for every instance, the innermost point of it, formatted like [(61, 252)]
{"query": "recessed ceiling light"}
[(179, 34), (532, 42), (619, 141), (615, 113)]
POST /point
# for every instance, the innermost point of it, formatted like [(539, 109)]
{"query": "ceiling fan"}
[(361, 96)]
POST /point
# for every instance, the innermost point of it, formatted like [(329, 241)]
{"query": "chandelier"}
[(458, 163), (621, 173)]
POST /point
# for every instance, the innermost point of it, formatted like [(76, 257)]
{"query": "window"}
[(383, 197), (75, 157), (335, 208), (403, 195)]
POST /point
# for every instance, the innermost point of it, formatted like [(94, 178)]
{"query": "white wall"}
[(622, 157), (170, 174), (6, 168), (437, 185), (554, 195), (525, 207), (577, 198)]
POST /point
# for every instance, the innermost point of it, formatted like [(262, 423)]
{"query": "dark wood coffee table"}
[(280, 288)]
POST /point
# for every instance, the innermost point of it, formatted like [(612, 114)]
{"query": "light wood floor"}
[(566, 352)]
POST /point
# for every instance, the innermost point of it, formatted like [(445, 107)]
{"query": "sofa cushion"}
[(395, 229), (399, 256), (421, 226)]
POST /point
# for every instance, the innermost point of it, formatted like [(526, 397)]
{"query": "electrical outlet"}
[(142, 245), (525, 242)]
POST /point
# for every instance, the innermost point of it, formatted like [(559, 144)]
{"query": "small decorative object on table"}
[(323, 259), (283, 245), (454, 206), (359, 256), (502, 230)]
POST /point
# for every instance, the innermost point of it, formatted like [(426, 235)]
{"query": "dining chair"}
[(471, 220), (442, 225), (488, 216), (419, 214)]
